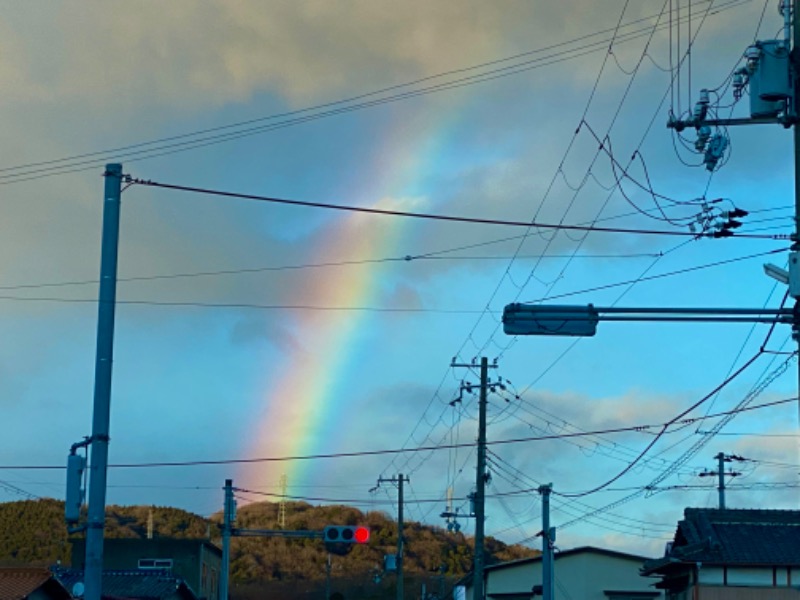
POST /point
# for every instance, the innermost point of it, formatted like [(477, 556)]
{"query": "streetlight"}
[(565, 320)]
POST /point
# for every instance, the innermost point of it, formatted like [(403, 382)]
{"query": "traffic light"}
[(348, 534)]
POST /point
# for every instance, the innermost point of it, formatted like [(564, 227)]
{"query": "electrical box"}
[(794, 274), (773, 73), (76, 465), (760, 107), (389, 563)]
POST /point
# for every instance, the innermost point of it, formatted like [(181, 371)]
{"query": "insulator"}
[(715, 150), (739, 83), (751, 55), (703, 133)]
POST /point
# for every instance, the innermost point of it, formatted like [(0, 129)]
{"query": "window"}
[(155, 563)]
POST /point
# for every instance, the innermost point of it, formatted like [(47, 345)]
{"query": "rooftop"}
[(17, 583), (734, 537)]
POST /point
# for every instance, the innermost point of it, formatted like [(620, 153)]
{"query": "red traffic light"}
[(361, 535), (346, 533)]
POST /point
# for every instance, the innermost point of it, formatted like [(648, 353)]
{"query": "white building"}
[(584, 573)]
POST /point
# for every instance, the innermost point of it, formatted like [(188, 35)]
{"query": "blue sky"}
[(194, 383)]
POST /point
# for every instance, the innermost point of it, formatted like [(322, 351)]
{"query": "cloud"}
[(190, 54)]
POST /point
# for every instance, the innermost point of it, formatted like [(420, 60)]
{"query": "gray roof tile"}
[(738, 536)]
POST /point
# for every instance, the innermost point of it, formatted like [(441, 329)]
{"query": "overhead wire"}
[(428, 216), (211, 136), (469, 336)]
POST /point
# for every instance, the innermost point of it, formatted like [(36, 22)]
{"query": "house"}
[(587, 573), (24, 583), (731, 554), (131, 585), (198, 562)]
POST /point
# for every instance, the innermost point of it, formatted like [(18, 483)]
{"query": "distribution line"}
[(171, 145), (431, 216), (681, 420), (480, 350), (608, 198), (664, 429), (757, 390), (624, 171)]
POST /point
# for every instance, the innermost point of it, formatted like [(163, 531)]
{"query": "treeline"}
[(33, 533)]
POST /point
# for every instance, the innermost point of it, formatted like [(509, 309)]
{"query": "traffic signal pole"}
[(98, 470), (332, 535)]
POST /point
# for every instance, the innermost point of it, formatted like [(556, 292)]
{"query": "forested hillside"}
[(33, 533)]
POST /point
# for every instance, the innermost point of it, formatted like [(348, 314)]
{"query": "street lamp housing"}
[(560, 320)]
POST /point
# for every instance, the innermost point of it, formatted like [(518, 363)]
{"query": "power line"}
[(429, 216), (661, 275), (663, 430), (547, 192), (330, 264), (201, 138), (680, 420), (246, 305), (754, 392), (305, 307)]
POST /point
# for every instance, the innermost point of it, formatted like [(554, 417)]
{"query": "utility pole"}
[(399, 480), (774, 91), (795, 64), (284, 485), (548, 541), (93, 575), (480, 473), (480, 485), (720, 473), (228, 517), (328, 577)]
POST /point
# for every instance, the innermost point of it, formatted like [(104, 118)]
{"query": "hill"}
[(33, 533)]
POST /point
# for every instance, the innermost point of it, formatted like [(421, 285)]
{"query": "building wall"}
[(584, 575), (745, 593), (191, 559), (748, 577)]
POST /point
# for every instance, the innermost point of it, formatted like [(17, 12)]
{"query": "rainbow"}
[(308, 389)]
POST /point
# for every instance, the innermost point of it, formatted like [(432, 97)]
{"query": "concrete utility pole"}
[(776, 105), (399, 480), (479, 497), (228, 517), (795, 63), (548, 541), (720, 473), (480, 484), (93, 574)]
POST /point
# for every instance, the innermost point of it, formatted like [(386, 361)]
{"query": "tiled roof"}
[(137, 584), (19, 583), (737, 537)]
